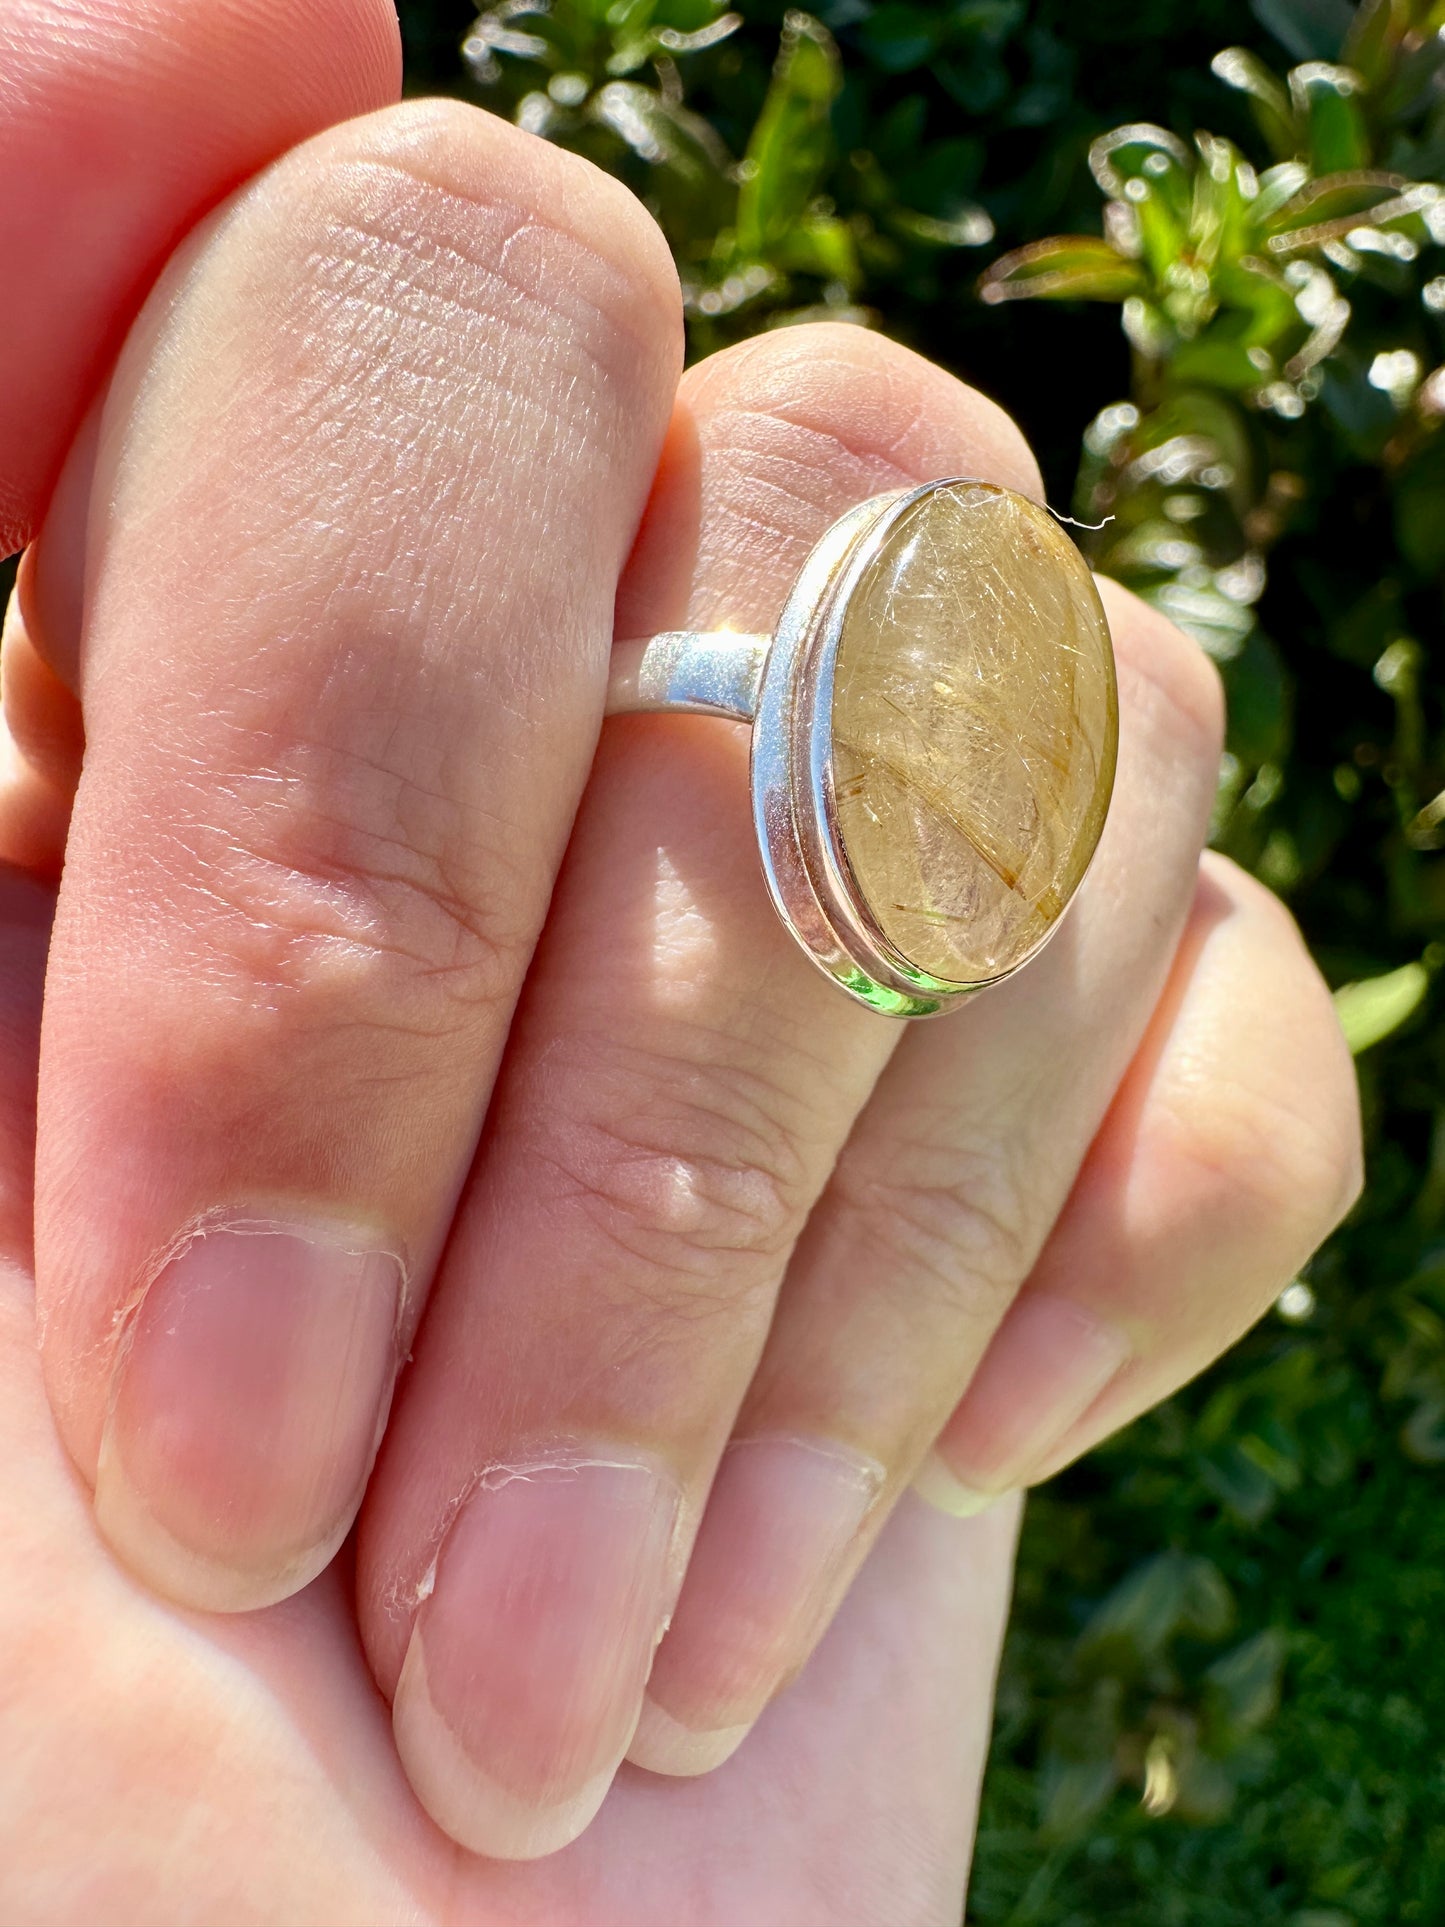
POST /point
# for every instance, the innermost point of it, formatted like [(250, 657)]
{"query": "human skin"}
[(392, 1017)]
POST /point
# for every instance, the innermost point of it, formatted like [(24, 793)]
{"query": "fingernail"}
[(246, 1406), (934, 1482), (775, 1552), (1046, 1364), (525, 1672)]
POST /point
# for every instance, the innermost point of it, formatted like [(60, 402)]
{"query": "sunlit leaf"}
[(1268, 97), (659, 131), (1076, 267), (969, 227), (1370, 1010), (1220, 360), (1330, 208), (1328, 106), (821, 246), (1278, 186), (1373, 41), (1144, 153), (790, 146)]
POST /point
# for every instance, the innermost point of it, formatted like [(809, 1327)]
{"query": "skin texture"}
[(115, 136), (396, 1017), (241, 1769)]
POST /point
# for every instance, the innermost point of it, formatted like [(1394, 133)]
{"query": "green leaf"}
[(1242, 1485), (1423, 1433), (1217, 360), (1171, 1594), (969, 227), (1242, 1688), (1278, 186), (822, 246), (659, 131), (1075, 267), (1332, 207), (1412, 85), (1327, 103), (1420, 508), (1145, 154), (1306, 29), (897, 37), (1205, 1790), (1369, 1011), (1268, 97), (1073, 1792), (791, 143), (1260, 701), (1373, 41), (1219, 625)]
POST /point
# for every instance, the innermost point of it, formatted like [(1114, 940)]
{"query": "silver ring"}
[(935, 727)]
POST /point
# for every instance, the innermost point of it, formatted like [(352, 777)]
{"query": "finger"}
[(941, 1199), (120, 124), (1231, 1152), (856, 1799), (677, 1085), (340, 701)]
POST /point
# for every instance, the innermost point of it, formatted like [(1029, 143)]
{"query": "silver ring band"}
[(701, 675)]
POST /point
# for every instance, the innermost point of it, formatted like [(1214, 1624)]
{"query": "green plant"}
[(759, 237)]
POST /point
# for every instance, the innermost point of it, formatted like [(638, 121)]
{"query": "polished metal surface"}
[(783, 685), (702, 675)]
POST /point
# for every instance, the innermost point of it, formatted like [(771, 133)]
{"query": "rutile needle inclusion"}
[(975, 729)]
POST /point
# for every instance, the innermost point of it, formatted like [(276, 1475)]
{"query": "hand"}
[(159, 1766), (331, 571)]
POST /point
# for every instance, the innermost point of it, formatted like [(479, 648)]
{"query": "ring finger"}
[(678, 1086)]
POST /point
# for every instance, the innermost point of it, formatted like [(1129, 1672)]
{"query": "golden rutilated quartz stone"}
[(975, 728)]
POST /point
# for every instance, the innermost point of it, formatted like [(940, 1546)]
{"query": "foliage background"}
[(1223, 1692)]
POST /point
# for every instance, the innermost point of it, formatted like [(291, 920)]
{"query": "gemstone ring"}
[(935, 729)]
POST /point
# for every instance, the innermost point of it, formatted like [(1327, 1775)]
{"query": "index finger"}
[(121, 123)]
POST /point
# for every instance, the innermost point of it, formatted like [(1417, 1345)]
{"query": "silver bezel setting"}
[(784, 684)]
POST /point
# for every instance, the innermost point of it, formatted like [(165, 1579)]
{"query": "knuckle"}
[(873, 402), (323, 880), (954, 1223), (468, 218), (694, 1179), (803, 421), (1281, 1156)]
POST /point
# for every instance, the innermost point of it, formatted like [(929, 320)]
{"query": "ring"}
[(935, 726)]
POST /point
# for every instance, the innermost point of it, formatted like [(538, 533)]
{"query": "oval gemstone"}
[(975, 728)]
